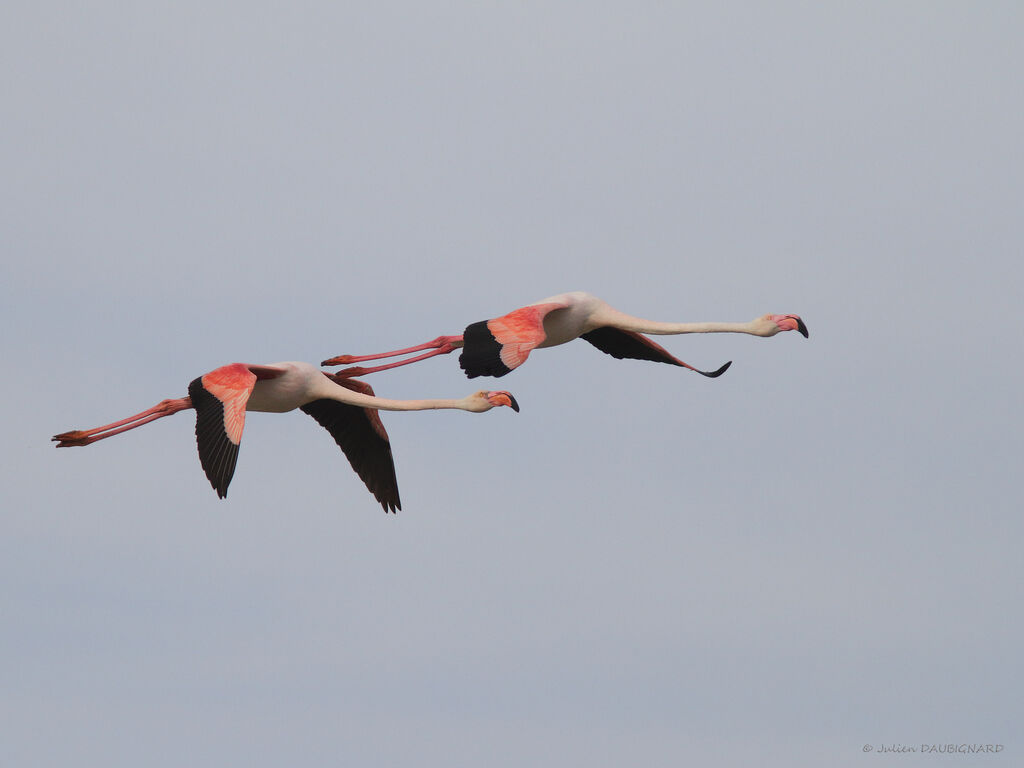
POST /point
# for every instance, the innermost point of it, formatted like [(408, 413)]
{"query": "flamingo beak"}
[(503, 398), (791, 323)]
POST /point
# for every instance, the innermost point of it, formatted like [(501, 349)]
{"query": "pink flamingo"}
[(347, 409), (495, 347)]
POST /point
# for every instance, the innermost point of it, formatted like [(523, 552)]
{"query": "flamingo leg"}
[(444, 349), (77, 437), (440, 342)]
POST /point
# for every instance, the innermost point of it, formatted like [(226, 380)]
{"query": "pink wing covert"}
[(520, 332), (232, 385)]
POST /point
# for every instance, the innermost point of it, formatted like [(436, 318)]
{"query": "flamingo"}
[(496, 347), (346, 408)]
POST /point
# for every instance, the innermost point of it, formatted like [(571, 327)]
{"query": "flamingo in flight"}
[(495, 347), (346, 408)]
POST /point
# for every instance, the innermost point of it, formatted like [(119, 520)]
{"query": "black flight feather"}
[(626, 344), (217, 454), (481, 353), (366, 449)]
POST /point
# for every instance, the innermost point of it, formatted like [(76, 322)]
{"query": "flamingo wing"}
[(219, 398), (635, 346), (495, 347), (360, 434)]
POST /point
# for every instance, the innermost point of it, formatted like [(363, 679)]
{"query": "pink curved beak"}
[(503, 398), (791, 323)]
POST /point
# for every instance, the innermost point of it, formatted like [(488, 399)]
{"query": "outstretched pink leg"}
[(86, 436), (442, 345)]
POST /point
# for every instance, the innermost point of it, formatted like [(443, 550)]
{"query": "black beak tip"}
[(515, 405), (802, 328)]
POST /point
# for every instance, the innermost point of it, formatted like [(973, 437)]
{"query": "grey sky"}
[(815, 552)]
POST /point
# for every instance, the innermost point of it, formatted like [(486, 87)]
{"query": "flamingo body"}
[(347, 409), (496, 347)]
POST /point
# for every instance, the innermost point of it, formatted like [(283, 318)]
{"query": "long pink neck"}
[(657, 328), (327, 387), (384, 404)]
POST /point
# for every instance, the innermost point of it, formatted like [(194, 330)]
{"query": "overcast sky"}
[(815, 554)]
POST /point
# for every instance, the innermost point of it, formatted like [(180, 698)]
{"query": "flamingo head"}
[(769, 325), (484, 401)]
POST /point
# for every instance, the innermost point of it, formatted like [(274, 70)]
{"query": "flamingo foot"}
[(339, 360), (72, 438), (348, 373)]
